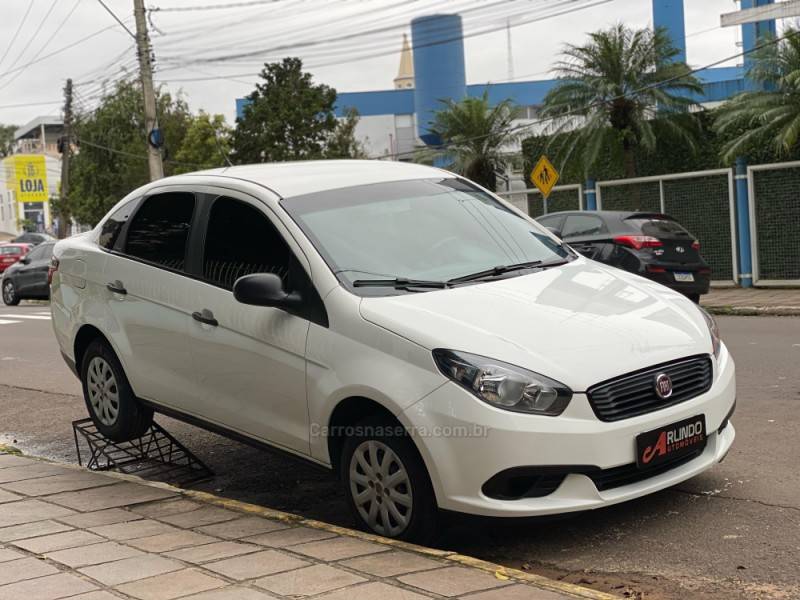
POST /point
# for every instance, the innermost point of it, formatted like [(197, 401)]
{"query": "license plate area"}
[(681, 276), (670, 442)]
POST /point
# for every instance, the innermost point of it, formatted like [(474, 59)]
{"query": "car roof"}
[(289, 179)]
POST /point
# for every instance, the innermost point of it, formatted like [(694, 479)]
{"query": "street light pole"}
[(146, 71)]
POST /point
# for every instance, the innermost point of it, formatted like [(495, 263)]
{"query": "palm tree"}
[(473, 135), (621, 91), (769, 115)]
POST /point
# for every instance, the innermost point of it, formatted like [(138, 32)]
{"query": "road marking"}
[(8, 322), (21, 316)]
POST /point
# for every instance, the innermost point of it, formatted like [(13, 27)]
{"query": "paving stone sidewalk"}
[(753, 301), (70, 533)]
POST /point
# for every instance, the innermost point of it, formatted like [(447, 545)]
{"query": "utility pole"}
[(64, 213), (146, 71)]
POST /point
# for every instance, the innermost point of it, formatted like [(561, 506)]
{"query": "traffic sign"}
[(544, 176)]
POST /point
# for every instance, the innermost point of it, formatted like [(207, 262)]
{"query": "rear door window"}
[(582, 225), (159, 231)]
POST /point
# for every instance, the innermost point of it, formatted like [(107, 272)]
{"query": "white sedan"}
[(429, 343)]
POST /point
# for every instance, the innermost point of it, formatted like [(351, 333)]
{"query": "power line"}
[(30, 104), (47, 43), (59, 51), (117, 19), (140, 156), (16, 33), (538, 17), (212, 6), (350, 35), (35, 33)]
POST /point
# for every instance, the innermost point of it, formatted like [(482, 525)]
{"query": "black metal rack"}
[(155, 455)]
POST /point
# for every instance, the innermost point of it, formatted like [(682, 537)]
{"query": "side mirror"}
[(555, 232), (264, 289), (25, 260)]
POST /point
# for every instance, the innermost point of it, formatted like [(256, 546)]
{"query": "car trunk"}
[(677, 247)]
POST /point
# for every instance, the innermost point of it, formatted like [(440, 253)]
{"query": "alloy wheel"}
[(103, 391), (381, 488), (8, 292)]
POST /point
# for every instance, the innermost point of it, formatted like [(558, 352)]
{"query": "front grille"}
[(634, 394)]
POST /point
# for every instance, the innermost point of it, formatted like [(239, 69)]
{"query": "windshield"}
[(433, 230), (8, 250)]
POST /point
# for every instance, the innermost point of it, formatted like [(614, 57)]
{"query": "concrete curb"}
[(499, 571), (754, 311)]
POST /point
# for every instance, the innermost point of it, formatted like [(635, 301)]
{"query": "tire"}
[(10, 296), (418, 520), (694, 298), (116, 412)]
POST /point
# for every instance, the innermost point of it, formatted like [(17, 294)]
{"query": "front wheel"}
[(386, 483), (10, 296), (114, 408)]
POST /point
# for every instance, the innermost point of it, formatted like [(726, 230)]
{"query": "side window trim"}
[(119, 243)]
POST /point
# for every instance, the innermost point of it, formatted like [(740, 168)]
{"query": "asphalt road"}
[(733, 532)]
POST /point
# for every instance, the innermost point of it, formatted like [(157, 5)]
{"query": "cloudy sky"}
[(212, 54)]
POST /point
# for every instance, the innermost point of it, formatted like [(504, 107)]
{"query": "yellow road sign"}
[(544, 176), (30, 178)]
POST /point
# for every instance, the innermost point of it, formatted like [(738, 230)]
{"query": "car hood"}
[(580, 323)]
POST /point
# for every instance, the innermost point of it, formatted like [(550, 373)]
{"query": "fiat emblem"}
[(679, 249), (663, 386)]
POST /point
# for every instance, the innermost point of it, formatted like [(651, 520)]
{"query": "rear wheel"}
[(694, 298), (10, 296), (116, 412), (387, 484)]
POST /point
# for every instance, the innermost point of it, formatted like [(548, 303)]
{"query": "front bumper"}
[(465, 442)]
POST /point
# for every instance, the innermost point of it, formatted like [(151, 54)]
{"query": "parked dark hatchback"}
[(652, 245), (29, 278)]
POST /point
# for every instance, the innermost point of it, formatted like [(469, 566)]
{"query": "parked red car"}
[(11, 253)]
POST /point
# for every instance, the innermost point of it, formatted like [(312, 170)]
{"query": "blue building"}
[(395, 121)]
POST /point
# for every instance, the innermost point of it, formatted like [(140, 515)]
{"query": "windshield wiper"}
[(502, 269), (401, 283)]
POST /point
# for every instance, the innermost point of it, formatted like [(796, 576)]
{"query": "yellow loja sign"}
[(29, 178)]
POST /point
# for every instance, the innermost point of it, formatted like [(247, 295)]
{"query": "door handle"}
[(205, 316), (117, 287)]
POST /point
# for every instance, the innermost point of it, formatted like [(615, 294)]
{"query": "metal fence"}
[(774, 191), (530, 201), (702, 201)]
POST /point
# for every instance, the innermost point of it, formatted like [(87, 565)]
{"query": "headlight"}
[(716, 343), (503, 385)]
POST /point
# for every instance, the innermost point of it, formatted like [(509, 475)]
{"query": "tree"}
[(207, 143), (618, 94), (6, 139), (342, 142), (473, 135), (288, 117), (770, 115), (112, 159)]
